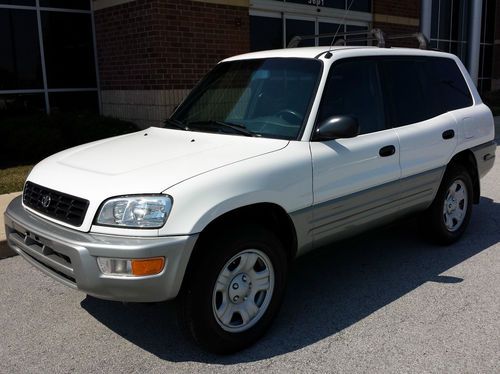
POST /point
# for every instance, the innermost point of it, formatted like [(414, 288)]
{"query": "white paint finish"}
[(283, 178), (139, 164), (345, 166), (476, 126), (423, 147)]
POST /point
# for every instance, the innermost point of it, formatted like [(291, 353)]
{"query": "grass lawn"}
[(12, 179)]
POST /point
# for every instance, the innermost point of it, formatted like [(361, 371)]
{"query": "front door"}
[(355, 181)]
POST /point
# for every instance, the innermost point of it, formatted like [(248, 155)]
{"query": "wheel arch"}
[(466, 158), (270, 215)]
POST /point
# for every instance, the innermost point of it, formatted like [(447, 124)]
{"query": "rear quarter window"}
[(449, 83)]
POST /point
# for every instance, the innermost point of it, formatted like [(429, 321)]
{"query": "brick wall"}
[(398, 17), (401, 8), (166, 44)]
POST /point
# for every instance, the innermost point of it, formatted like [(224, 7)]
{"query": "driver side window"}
[(353, 89)]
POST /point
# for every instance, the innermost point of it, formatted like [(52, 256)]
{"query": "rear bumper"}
[(71, 257), (485, 157)]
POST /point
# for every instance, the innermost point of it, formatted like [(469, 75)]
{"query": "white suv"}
[(273, 154)]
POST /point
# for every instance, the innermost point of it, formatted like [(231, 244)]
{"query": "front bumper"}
[(71, 257)]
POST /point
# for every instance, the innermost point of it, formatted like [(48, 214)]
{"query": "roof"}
[(351, 51)]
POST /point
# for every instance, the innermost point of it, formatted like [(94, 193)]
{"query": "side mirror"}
[(336, 127)]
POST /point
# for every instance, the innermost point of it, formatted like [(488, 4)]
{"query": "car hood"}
[(148, 161)]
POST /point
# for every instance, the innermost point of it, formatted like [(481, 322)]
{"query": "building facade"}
[(137, 59)]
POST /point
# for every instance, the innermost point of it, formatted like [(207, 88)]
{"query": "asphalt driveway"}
[(387, 301)]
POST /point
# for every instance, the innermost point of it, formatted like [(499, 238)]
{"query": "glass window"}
[(268, 97), (265, 33), (452, 87), (74, 102), (69, 52), (73, 4), (329, 28), (18, 2), (14, 104), (351, 28), (20, 66), (362, 5), (405, 96), (340, 4), (353, 89), (296, 27)]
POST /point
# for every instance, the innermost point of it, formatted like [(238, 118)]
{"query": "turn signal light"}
[(148, 266)]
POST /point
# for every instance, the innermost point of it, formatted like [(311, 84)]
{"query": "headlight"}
[(135, 211)]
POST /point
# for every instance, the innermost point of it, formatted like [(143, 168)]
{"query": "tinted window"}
[(18, 2), (296, 27), (404, 90), (265, 33), (449, 82), (69, 51), (73, 4), (20, 65), (353, 89)]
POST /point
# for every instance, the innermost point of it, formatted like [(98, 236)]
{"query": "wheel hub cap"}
[(240, 288), (455, 205), (243, 290)]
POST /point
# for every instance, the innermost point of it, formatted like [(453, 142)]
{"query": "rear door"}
[(416, 104)]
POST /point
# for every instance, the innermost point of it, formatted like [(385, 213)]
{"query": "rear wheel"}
[(448, 216), (234, 289)]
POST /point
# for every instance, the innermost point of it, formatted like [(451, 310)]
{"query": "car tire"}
[(448, 217), (234, 288)]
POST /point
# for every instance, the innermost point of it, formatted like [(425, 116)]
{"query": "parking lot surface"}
[(386, 301)]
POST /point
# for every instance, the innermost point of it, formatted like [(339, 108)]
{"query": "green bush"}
[(28, 139)]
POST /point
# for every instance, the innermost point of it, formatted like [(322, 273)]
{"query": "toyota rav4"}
[(272, 155)]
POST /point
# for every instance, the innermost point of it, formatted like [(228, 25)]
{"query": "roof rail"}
[(370, 35)]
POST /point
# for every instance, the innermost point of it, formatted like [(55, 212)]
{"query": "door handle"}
[(448, 134), (387, 151)]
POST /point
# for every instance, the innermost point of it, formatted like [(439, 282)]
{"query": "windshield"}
[(265, 97)]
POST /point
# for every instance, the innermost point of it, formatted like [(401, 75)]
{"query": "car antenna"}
[(329, 53)]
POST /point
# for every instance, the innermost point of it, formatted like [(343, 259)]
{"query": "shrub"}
[(28, 139)]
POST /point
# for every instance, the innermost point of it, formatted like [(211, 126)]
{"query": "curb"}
[(5, 250)]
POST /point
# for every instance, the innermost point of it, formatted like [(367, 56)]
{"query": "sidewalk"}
[(5, 251)]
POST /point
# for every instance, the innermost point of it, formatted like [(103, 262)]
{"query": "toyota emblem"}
[(46, 201)]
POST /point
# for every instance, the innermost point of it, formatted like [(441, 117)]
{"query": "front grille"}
[(54, 204)]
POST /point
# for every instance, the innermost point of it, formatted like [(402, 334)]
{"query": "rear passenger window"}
[(353, 89), (450, 82), (405, 94)]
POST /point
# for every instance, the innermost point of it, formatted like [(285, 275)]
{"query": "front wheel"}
[(234, 289), (448, 216)]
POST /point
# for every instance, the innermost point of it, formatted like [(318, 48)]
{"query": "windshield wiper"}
[(233, 126), (176, 123)]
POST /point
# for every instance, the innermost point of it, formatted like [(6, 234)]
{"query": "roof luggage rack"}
[(370, 35)]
